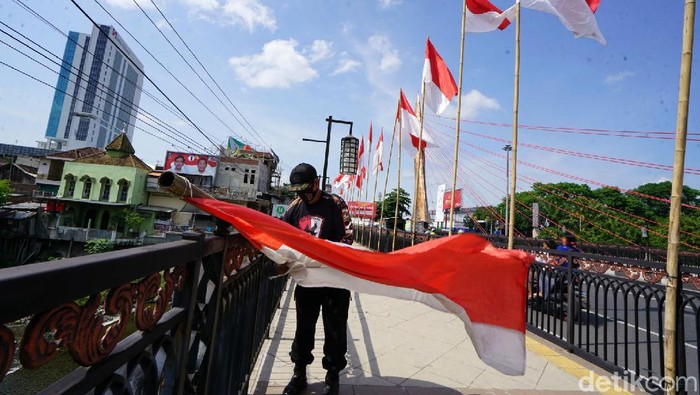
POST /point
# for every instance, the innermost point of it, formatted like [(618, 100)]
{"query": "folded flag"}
[(461, 274)]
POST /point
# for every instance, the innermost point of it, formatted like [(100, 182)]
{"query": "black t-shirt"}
[(327, 219)]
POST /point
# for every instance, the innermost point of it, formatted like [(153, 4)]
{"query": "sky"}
[(586, 111)]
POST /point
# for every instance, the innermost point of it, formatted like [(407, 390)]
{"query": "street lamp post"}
[(507, 148), (330, 121)]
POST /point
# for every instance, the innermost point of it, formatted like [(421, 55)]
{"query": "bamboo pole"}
[(674, 285), (386, 181), (459, 113), (398, 185), (180, 186), (514, 158), (374, 195)]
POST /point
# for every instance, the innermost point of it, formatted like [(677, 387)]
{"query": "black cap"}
[(302, 177)]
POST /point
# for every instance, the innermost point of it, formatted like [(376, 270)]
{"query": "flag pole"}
[(674, 285), (374, 195), (420, 154), (386, 179), (369, 155), (459, 113), (514, 157), (398, 184)]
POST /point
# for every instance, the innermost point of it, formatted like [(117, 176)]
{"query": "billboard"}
[(362, 209), (193, 164), (447, 199)]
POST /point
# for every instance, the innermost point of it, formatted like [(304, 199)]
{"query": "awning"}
[(156, 208)]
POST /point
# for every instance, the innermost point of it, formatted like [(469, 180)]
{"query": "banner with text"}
[(447, 199), (362, 209)]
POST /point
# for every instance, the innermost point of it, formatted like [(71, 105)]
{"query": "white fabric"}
[(501, 348), (434, 98), (574, 14), (488, 21)]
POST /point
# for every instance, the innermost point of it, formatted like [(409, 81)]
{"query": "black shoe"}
[(296, 384), (332, 384)]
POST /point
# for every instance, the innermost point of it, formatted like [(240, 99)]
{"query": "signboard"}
[(362, 209), (278, 210), (447, 199), (189, 163)]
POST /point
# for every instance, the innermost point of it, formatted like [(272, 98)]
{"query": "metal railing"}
[(183, 317), (609, 310)]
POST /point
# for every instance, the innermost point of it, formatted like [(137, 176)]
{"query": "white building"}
[(97, 93)]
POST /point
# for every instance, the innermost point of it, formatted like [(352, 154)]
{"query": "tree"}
[(5, 191), (388, 205), (97, 246)]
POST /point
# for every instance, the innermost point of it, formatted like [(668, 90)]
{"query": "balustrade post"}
[(570, 301), (188, 300)]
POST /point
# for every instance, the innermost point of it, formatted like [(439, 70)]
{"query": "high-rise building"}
[(97, 93)]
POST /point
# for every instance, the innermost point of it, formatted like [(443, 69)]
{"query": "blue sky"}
[(287, 65)]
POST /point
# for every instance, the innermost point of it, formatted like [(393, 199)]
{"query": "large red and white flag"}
[(576, 15), (462, 274), (482, 16), (378, 165), (440, 86), (410, 127)]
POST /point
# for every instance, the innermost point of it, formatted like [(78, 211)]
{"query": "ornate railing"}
[(183, 317), (609, 310)]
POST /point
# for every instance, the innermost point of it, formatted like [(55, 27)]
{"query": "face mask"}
[(307, 196)]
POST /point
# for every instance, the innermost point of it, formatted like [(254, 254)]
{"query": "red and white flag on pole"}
[(462, 274), (369, 138), (440, 86), (360, 151), (482, 16), (576, 15), (378, 165), (410, 127), (343, 182)]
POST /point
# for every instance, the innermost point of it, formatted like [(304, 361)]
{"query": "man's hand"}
[(281, 269)]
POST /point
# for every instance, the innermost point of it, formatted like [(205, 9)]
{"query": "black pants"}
[(334, 303)]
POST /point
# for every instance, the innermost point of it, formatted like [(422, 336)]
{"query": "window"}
[(105, 189), (245, 177), (87, 188), (70, 186), (123, 190)]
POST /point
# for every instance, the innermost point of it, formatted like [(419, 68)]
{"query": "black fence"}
[(182, 317), (607, 309)]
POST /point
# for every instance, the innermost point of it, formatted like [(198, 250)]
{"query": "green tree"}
[(5, 191), (97, 246), (388, 205)]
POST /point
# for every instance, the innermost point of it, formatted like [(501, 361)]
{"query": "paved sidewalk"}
[(401, 347)]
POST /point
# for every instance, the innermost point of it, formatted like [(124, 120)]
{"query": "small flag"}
[(378, 166), (410, 127), (440, 86), (482, 16), (234, 144)]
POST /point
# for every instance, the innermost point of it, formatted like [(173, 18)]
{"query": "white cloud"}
[(279, 65), (346, 66), (319, 50), (617, 77), (163, 24), (473, 103), (248, 13), (381, 45), (384, 4)]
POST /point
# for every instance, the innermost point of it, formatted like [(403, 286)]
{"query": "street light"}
[(507, 148), (348, 149)]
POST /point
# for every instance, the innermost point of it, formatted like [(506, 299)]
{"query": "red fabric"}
[(593, 4), (361, 150), (369, 138), (489, 283), (440, 73), (484, 6)]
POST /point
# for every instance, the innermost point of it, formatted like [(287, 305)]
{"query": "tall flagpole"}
[(514, 157), (420, 154), (398, 181), (369, 155), (386, 179), (374, 194), (459, 113), (674, 285)]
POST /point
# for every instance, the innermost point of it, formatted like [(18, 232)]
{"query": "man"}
[(177, 164), (201, 166), (325, 216)]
